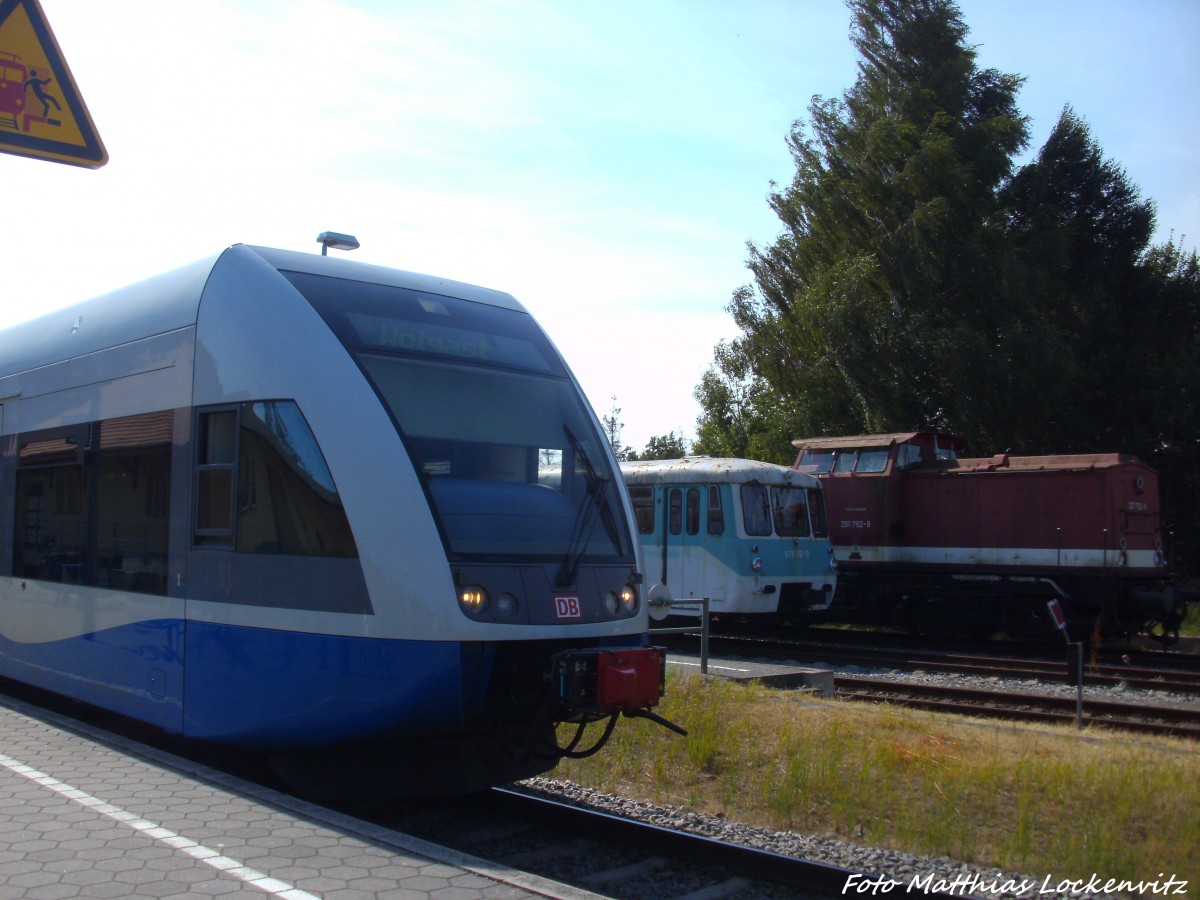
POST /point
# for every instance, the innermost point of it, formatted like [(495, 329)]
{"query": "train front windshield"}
[(512, 463)]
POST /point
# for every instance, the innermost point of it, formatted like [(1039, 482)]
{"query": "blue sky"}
[(606, 162)]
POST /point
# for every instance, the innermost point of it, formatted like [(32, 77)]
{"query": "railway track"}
[(1023, 706), (992, 701), (607, 855)]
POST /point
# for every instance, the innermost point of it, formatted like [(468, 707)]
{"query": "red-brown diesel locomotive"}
[(931, 541)]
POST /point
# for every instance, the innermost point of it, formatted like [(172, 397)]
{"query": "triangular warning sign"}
[(41, 112)]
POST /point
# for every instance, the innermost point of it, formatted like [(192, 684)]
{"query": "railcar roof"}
[(704, 469), (853, 441), (171, 300)]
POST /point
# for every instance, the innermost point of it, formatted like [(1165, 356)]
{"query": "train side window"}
[(816, 462), (872, 461), (216, 467), (845, 461), (643, 507), (263, 486), (816, 508), (675, 510), (693, 511), (756, 510), (93, 503), (907, 456), (286, 499), (716, 511)]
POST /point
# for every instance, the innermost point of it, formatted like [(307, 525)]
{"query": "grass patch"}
[(1030, 799)]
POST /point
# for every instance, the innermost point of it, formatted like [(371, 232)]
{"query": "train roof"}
[(855, 441), (705, 469), (171, 301)]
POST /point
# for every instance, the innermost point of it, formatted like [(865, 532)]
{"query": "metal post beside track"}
[(689, 629)]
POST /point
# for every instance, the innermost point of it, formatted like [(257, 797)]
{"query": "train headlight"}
[(474, 600), (833, 563), (612, 604), (756, 564), (506, 605), (629, 598)]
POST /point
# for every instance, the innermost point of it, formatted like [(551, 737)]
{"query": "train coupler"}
[(594, 683)]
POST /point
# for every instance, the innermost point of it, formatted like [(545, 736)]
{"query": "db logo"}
[(567, 607)]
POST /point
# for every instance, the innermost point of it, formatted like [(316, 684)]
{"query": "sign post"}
[(42, 114), (1074, 660)]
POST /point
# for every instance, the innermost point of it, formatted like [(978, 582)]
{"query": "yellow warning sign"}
[(41, 112)]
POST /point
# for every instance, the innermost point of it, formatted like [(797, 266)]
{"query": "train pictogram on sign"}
[(42, 114)]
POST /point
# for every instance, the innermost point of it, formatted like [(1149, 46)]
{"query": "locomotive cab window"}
[(262, 484), (756, 510), (789, 510), (480, 398)]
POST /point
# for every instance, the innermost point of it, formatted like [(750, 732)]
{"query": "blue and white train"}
[(291, 503), (750, 536)]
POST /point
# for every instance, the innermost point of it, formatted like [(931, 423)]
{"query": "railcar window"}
[(871, 461), (676, 511), (263, 485), (93, 503), (400, 320), (816, 462), (789, 509), (287, 501), (716, 511), (907, 456), (756, 509), (845, 461), (816, 507), (510, 460), (643, 507), (693, 511), (215, 465)]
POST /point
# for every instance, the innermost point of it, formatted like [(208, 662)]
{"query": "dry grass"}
[(1030, 799)]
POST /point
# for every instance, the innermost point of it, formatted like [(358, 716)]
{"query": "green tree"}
[(919, 282), (613, 426), (878, 307), (664, 446)]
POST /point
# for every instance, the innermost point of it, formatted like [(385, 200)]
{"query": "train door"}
[(694, 555)]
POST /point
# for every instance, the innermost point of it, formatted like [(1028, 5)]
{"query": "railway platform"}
[(87, 814), (778, 675)]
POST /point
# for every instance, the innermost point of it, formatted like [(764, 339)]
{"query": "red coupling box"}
[(630, 679)]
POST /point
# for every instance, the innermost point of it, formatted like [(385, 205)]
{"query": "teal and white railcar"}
[(750, 536)]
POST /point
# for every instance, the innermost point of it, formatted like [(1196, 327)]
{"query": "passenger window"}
[(693, 511), (676, 510), (756, 510), (643, 508), (93, 503), (716, 512)]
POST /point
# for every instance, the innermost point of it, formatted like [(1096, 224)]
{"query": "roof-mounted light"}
[(337, 241)]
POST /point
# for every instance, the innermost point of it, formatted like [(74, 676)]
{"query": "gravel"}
[(900, 872)]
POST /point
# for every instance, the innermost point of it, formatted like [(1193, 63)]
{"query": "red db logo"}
[(567, 607)]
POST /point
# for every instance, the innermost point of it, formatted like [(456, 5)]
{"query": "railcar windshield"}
[(512, 463)]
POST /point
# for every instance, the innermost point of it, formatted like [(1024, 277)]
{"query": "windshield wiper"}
[(595, 502)]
